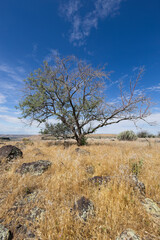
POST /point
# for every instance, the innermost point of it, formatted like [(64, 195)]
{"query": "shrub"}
[(145, 134), (58, 130), (127, 136), (142, 134), (136, 167)]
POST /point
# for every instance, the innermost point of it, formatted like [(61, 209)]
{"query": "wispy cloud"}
[(4, 109), (14, 73), (82, 24), (10, 119), (2, 98), (155, 88), (51, 55)]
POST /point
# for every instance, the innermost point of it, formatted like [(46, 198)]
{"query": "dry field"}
[(117, 205)]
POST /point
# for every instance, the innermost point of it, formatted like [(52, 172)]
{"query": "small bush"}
[(136, 167), (27, 141), (127, 136), (145, 134), (142, 134)]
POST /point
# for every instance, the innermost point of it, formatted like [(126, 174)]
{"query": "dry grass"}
[(117, 206)]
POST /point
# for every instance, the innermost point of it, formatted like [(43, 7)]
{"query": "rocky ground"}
[(55, 190)]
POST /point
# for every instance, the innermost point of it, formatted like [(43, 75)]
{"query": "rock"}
[(84, 207), (20, 145), (50, 144), (151, 207), (90, 169), (35, 214), (99, 180), (82, 151), (37, 151), (10, 152), (137, 185), (35, 168), (128, 234), (5, 234)]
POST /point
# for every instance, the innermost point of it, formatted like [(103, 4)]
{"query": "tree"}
[(74, 93), (58, 130)]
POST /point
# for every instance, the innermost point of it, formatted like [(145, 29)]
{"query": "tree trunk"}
[(81, 140)]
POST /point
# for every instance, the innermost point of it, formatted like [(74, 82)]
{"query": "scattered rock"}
[(84, 207), (82, 151), (35, 214), (10, 152), (99, 180), (90, 169), (151, 207), (128, 234), (23, 230), (37, 151), (20, 145), (50, 144), (137, 185), (5, 234), (67, 144), (112, 139), (35, 168)]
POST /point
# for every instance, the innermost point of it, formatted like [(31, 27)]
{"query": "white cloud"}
[(51, 55), (4, 109), (11, 73), (2, 98), (20, 129), (10, 119), (129, 125), (82, 25), (154, 88)]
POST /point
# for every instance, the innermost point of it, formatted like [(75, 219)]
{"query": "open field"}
[(117, 204)]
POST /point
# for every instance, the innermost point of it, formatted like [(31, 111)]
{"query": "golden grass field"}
[(117, 205)]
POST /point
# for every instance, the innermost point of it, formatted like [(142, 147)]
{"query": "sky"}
[(123, 34)]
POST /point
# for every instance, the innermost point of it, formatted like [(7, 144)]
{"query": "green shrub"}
[(145, 134), (136, 167), (127, 136), (142, 134), (83, 141)]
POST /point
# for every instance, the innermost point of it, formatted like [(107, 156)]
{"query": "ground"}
[(42, 206)]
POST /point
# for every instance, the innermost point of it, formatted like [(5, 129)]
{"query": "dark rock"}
[(128, 234), (5, 234), (82, 151), (35, 168), (84, 207), (22, 230), (35, 214), (67, 144), (10, 152), (90, 169), (137, 185), (99, 180)]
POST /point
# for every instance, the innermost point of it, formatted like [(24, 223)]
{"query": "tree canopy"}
[(74, 93)]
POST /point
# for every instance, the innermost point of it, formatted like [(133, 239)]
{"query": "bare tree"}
[(74, 93)]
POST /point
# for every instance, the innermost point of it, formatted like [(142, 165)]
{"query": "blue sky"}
[(125, 34)]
